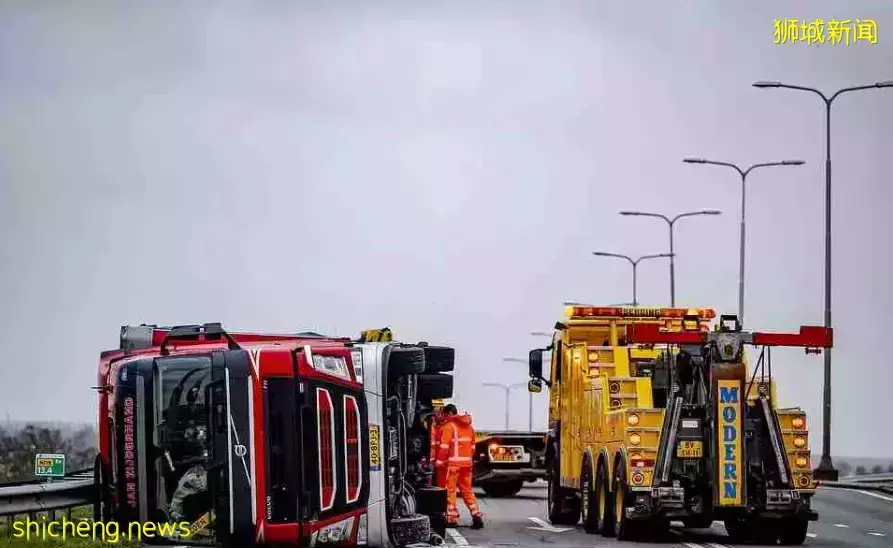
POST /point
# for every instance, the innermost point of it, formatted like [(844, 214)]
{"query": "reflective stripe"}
[(444, 445), (466, 440), (460, 459)]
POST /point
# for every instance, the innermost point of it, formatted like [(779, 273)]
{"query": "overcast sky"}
[(443, 168)]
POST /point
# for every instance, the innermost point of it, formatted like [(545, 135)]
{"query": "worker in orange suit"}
[(440, 466), (457, 448)]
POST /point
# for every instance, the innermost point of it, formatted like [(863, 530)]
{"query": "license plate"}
[(690, 450), (514, 453)]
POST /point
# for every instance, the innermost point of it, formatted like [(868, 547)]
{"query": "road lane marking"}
[(876, 534), (692, 545), (457, 537), (841, 525), (543, 526), (715, 545), (811, 535), (869, 493)]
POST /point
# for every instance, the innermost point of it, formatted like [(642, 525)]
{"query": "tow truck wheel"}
[(792, 532), (625, 528), (561, 510), (588, 502), (603, 503)]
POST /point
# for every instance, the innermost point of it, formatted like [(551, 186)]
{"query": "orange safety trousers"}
[(456, 449)]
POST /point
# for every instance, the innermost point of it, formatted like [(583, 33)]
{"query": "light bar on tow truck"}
[(586, 312)]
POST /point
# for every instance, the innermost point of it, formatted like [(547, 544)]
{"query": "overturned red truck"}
[(262, 439)]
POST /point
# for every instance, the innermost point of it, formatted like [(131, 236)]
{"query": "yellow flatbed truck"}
[(655, 417)]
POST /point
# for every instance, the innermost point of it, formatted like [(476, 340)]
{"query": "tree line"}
[(18, 446)]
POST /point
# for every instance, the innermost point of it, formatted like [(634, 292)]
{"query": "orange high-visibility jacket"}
[(457, 441), (436, 433)]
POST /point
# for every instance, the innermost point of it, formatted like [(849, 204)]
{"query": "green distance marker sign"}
[(49, 465)]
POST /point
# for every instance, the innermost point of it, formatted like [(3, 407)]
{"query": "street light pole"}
[(529, 394), (634, 262), (743, 173), (507, 388), (672, 223), (826, 468)]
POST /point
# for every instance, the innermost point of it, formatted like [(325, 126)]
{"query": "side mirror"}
[(535, 386), (535, 363)]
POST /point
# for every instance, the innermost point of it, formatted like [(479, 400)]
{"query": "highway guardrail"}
[(858, 486), (31, 497)]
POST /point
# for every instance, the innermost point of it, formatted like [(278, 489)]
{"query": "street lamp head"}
[(602, 254), (792, 162), (886, 84), (630, 212), (711, 212), (767, 84), (694, 160)]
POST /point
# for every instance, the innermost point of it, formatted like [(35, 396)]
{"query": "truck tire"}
[(405, 360), (434, 386), (499, 489), (432, 502), (563, 510), (589, 510), (604, 502), (792, 531), (440, 359), (628, 529), (410, 530)]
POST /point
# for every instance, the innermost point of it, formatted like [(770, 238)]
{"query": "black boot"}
[(477, 522)]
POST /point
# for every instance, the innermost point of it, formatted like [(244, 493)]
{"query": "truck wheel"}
[(434, 386), (439, 359), (604, 503), (410, 530), (405, 360), (561, 510), (589, 510), (792, 532), (625, 528), (432, 502), (499, 489)]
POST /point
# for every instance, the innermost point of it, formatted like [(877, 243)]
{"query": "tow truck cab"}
[(251, 438)]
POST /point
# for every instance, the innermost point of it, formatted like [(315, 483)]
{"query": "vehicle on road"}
[(654, 417), (264, 439), (505, 460)]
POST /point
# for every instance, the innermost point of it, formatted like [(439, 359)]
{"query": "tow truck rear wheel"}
[(792, 531), (589, 510), (604, 503), (628, 529), (563, 509)]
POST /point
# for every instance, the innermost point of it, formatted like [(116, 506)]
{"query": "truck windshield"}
[(183, 438)]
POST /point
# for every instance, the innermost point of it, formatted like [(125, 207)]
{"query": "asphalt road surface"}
[(852, 519)]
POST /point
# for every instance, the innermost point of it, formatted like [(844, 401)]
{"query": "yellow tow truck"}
[(655, 417)]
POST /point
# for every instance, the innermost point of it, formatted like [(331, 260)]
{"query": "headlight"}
[(335, 365), (801, 462), (799, 442), (593, 356), (798, 422), (635, 439), (632, 420)]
